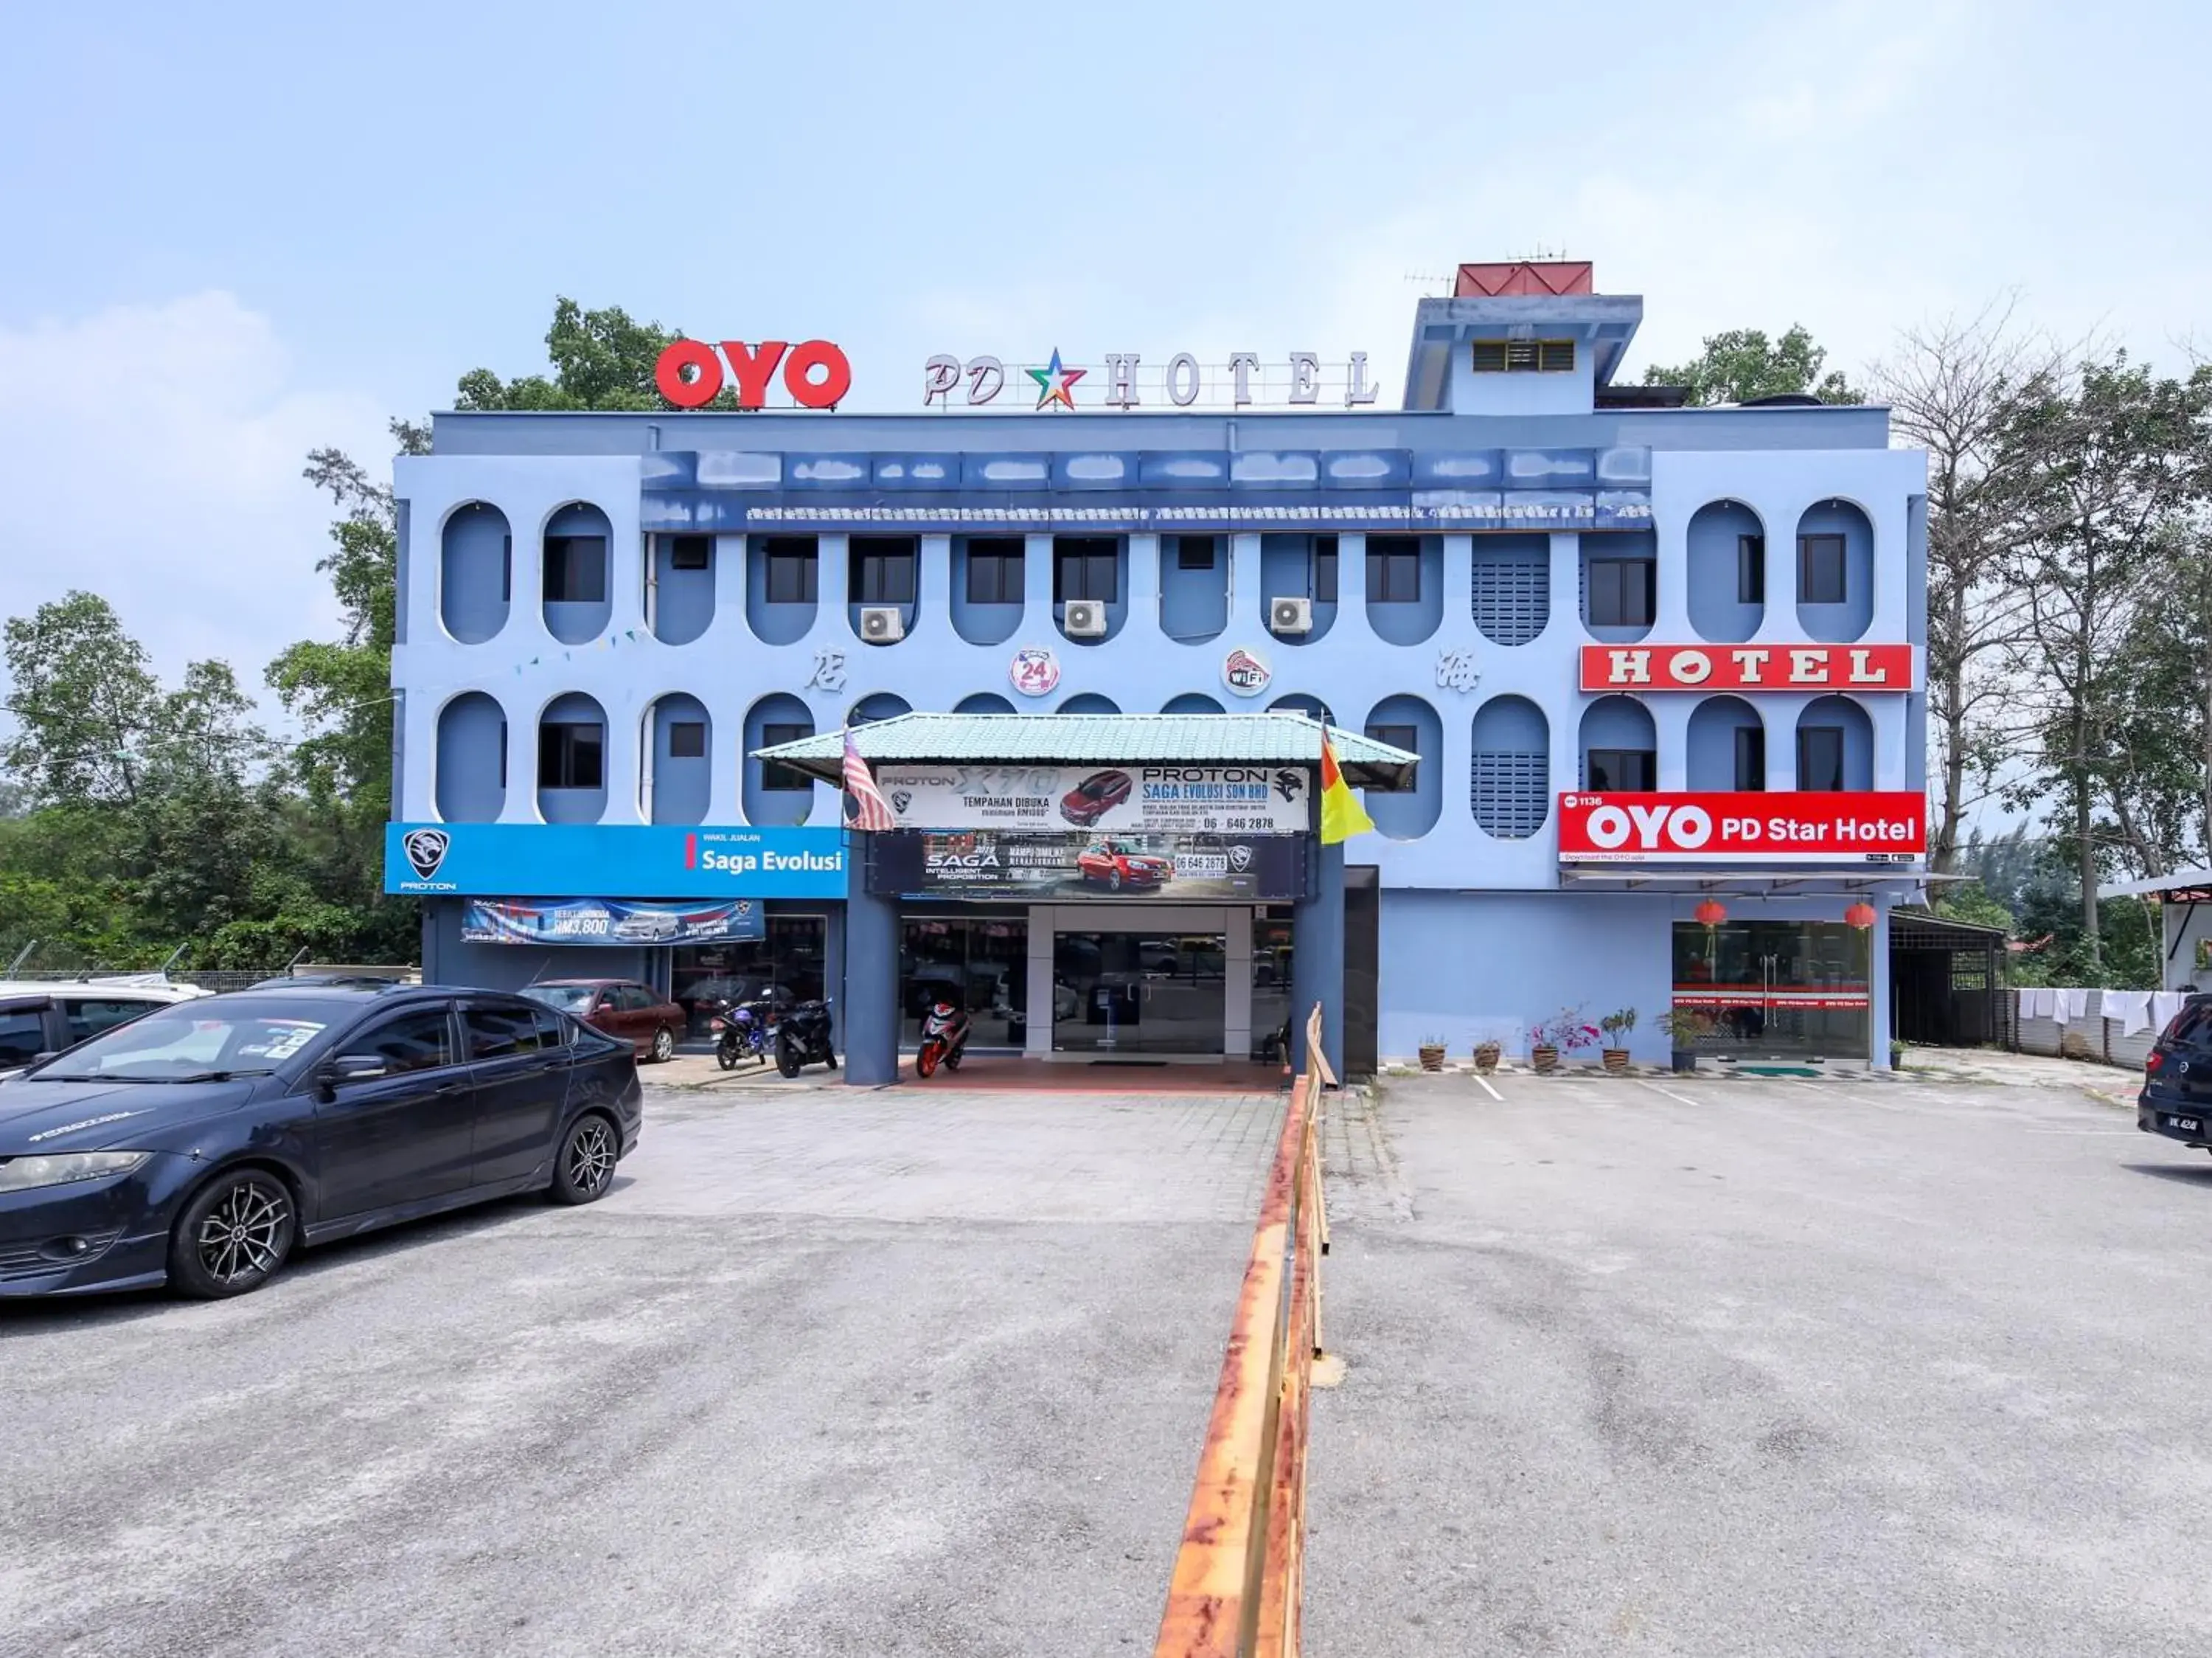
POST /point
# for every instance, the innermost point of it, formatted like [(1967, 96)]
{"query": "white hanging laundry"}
[(2130, 1007), (2036, 1003), (2164, 1005), (2073, 1007)]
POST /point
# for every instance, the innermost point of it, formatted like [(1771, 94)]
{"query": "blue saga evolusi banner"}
[(608, 921)]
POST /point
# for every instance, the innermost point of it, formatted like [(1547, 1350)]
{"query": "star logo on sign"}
[(1055, 383)]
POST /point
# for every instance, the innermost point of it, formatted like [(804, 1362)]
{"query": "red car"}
[(622, 1007), (1110, 864), (1094, 797)]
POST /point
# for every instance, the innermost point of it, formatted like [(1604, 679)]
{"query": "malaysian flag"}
[(865, 805)]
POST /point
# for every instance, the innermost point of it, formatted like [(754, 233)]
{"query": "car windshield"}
[(569, 999), (191, 1040)]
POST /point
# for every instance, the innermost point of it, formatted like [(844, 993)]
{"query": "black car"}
[(2176, 1092), (200, 1145)]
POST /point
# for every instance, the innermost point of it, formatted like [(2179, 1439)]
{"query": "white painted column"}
[(1236, 1003)]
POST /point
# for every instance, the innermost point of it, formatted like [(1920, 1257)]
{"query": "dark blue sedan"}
[(199, 1146)]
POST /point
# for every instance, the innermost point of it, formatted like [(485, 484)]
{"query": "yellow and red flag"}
[(1342, 816)]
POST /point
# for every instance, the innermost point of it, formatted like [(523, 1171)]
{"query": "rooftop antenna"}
[(1426, 278)]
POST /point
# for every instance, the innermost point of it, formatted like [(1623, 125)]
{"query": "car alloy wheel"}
[(1113, 880), (664, 1045), (584, 1169), (233, 1237)]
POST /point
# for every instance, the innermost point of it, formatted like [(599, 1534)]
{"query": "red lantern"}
[(1711, 912), (1861, 915)]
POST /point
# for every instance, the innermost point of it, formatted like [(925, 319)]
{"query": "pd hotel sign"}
[(1782, 826), (1749, 667)]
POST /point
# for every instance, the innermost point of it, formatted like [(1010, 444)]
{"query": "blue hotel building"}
[(1643, 651)]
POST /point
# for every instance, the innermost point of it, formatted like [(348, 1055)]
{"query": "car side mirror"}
[(41, 1058), (351, 1068)]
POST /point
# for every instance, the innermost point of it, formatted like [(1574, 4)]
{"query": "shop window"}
[(571, 755), (1821, 757), (791, 569), (1324, 569), (882, 569), (1821, 569), (1084, 567), (785, 967), (1524, 356), (1750, 757), (1621, 770), (691, 551), (1193, 552), (687, 740), (978, 963), (1751, 570), (1778, 988), (1407, 737), (576, 569), (1620, 592), (1393, 569), (994, 571), (775, 774)]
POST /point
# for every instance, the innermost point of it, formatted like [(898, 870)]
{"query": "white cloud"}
[(152, 454)]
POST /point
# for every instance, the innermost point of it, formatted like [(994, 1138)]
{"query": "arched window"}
[(1511, 769)]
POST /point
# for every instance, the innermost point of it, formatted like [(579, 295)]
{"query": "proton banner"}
[(1779, 826), (1262, 800), (1180, 868), (608, 921)]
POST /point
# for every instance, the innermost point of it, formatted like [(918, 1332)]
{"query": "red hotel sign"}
[(816, 373), (1747, 668), (1778, 826)]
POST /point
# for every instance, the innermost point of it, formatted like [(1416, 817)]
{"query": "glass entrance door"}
[(1778, 988), (1129, 993)]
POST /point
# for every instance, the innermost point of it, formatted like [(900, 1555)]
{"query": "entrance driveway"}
[(916, 1372), (1762, 1368)]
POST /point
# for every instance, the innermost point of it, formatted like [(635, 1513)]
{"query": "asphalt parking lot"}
[(912, 1372), (1763, 1368)]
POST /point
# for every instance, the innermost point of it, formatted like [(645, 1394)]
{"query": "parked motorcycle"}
[(944, 1039), (801, 1036), (742, 1032)]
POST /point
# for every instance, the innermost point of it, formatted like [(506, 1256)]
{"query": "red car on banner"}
[(1748, 667), (1775, 826), (1110, 864)]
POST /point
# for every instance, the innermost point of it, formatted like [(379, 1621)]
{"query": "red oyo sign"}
[(1747, 668), (816, 373), (1776, 826)]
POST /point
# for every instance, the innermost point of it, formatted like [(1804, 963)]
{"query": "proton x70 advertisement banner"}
[(1141, 800), (608, 921), (1185, 868)]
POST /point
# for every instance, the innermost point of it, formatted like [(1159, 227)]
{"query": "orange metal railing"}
[(1235, 1591)]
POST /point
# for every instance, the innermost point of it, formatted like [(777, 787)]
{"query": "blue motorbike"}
[(743, 1028)]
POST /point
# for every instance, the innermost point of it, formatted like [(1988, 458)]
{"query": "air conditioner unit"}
[(1289, 616), (882, 625), (1086, 618)]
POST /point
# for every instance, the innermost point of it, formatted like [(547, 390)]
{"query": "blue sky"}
[(234, 233)]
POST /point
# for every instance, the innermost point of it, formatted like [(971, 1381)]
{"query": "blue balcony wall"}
[(1710, 751), (1410, 623), (472, 786), (680, 786), (578, 623), (475, 572), (574, 805), (909, 610), (1615, 722), (772, 806), (1411, 815), (1286, 572), (1858, 742), (979, 624), (683, 599), (1841, 623), (1716, 612), (1117, 609), (1194, 603)]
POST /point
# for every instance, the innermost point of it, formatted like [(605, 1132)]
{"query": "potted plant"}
[(1433, 1053), (1486, 1057), (1566, 1032), (1684, 1029), (1617, 1025)]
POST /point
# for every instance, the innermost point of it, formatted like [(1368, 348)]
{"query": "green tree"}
[(1743, 363), (601, 360), (84, 704)]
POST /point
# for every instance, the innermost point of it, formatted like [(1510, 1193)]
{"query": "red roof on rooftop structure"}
[(1520, 277)]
